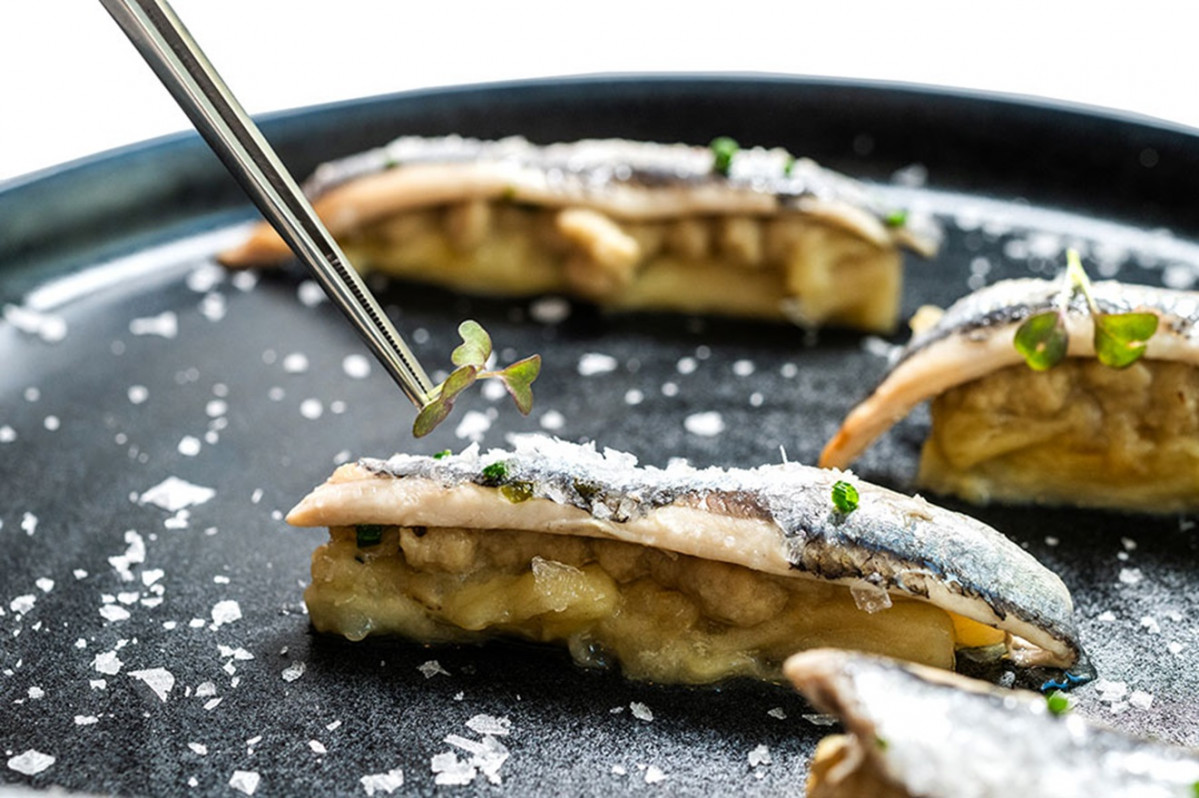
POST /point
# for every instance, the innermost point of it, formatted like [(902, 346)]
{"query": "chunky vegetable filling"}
[(660, 616), (1081, 433)]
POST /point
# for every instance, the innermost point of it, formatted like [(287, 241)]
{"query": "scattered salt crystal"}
[(474, 425), (81, 643), (317, 747), (204, 278), (7, 434), (449, 769), (619, 770), (86, 720), (196, 623), (641, 711), (51, 423), (189, 446), (756, 399), (821, 720), (1150, 624), (387, 782), (97, 684), (334, 726), (79, 573), (633, 397), (1110, 691), (151, 576), (138, 394), (356, 367), (22, 604), (1130, 576), (1174, 647), (235, 653), (1128, 543), (224, 612), (210, 705), (654, 775), (310, 294), (312, 409), (244, 280), (1140, 699), (47, 326), (594, 363), (213, 306), (164, 324), (29, 523), (295, 363), (276, 394), (160, 680), (35, 693), (174, 494), (743, 368), (431, 669), (205, 690), (220, 579), (869, 598), (45, 585), (777, 712), (1107, 616), (670, 389), (111, 612), (198, 748), (687, 365), (759, 756), (216, 408), (127, 598), (31, 762), (293, 672), (1052, 541), (245, 781), (549, 310), (705, 425), (488, 724), (552, 420)]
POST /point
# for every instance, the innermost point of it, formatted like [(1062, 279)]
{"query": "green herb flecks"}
[(443, 454), (880, 742), (723, 150), (845, 497), (1119, 338), (789, 166), (368, 534), (896, 218), (517, 492), (1057, 702), (471, 359), (495, 473)]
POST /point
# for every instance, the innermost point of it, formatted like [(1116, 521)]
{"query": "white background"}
[(71, 84)]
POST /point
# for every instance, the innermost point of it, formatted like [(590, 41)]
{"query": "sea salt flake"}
[(619, 770), (174, 494), (7, 434), (594, 363), (552, 420), (334, 726), (641, 711), (743, 368), (1107, 616), (654, 775), (31, 762), (777, 712), (245, 781), (98, 684), (431, 669), (1174, 647), (759, 756), (549, 310), (128, 598), (189, 446), (113, 613), (387, 782), (356, 367), (236, 653), (293, 672), (198, 748), (22, 604), (165, 325), (1140, 699), (312, 409), (317, 747), (44, 584), (160, 680), (205, 689), (211, 705), (633, 397), (1130, 576), (49, 327), (35, 693), (489, 724), (29, 523), (213, 306), (1110, 691), (295, 363), (86, 720), (151, 576), (1150, 625), (707, 424), (687, 365)]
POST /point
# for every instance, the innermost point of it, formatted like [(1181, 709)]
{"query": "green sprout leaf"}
[(475, 347), (437, 410), (845, 497), (1057, 702), (1121, 338), (1042, 340), (518, 379), (723, 150)]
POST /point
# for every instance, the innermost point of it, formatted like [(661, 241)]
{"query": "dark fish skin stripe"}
[(1009, 302), (891, 540)]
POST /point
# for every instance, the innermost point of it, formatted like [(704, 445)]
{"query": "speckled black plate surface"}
[(155, 651)]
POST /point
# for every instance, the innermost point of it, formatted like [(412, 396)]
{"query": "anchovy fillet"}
[(941, 735), (777, 519)]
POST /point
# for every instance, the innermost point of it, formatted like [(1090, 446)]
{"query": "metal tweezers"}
[(169, 49)]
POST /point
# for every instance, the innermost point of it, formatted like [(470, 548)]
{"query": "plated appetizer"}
[(1121, 434), (913, 731), (626, 224), (678, 575)]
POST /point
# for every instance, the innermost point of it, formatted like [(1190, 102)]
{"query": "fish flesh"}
[(913, 731), (677, 574), (1080, 433), (629, 225)]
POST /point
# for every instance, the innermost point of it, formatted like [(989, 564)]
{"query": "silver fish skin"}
[(891, 542), (941, 735), (758, 180), (974, 337)]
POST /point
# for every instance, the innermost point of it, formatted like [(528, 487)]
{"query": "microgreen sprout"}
[(1119, 339), (471, 359), (723, 150), (845, 497)]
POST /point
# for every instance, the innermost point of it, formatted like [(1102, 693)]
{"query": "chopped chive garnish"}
[(789, 167), (495, 473), (368, 534), (845, 497), (897, 218), (443, 454), (723, 150), (517, 492)]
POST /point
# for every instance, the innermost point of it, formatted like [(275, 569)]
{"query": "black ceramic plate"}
[(166, 651)]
